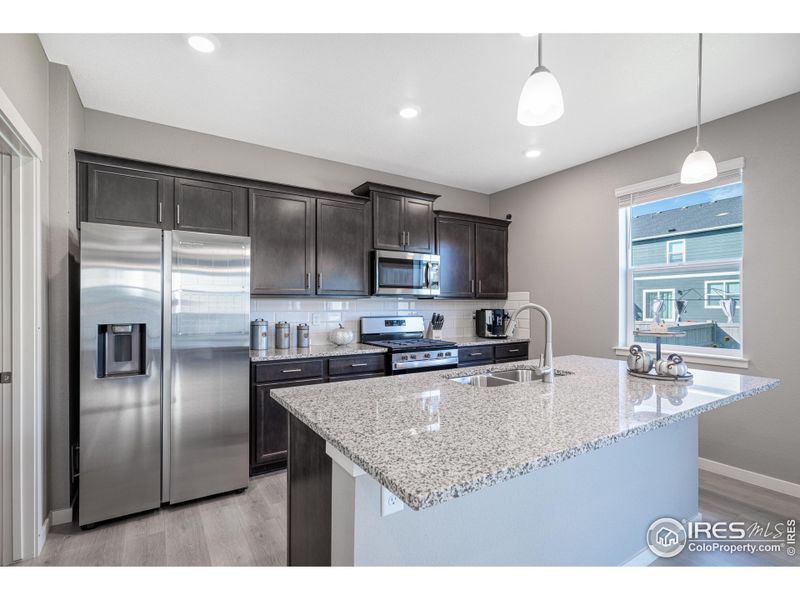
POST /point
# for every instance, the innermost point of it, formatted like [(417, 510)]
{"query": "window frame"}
[(626, 323), (682, 242), (725, 293)]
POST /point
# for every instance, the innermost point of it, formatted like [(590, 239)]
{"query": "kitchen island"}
[(571, 472)]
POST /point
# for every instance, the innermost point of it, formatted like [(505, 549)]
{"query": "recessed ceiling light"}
[(202, 43), (409, 112), (533, 153)]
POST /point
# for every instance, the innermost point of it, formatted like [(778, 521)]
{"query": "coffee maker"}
[(491, 322)]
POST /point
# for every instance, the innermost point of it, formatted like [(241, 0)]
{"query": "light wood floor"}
[(250, 529), (229, 529)]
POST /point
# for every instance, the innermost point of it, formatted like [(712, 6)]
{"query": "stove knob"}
[(404, 357), (440, 354), (413, 357), (447, 354), (427, 355)]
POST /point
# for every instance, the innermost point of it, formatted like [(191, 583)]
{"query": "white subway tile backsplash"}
[(324, 315)]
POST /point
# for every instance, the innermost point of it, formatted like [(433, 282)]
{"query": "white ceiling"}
[(337, 96)]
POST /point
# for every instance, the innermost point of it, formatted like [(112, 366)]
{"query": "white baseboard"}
[(645, 557), (42, 537), (765, 481), (61, 516)]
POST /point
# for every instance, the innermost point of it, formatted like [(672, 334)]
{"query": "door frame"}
[(28, 346)]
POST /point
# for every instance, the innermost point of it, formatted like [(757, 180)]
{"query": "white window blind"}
[(730, 171)]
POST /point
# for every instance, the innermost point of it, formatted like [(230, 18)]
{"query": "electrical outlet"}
[(389, 502)]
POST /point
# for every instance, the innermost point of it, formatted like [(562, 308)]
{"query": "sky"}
[(719, 193)]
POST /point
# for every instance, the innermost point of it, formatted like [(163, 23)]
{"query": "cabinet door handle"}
[(471, 286), (402, 238), (159, 212), (292, 371), (319, 280), (408, 239), (480, 285), (308, 280), (179, 214), (476, 353), (359, 365), (513, 350)]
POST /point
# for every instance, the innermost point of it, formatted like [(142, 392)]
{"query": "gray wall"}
[(143, 140), (66, 133), (24, 79), (564, 249)]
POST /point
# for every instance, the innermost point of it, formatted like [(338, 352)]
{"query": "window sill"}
[(698, 358)]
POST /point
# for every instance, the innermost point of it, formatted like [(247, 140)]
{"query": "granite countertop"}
[(319, 351), (326, 350), (428, 439)]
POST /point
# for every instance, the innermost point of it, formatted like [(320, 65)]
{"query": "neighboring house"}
[(711, 231)]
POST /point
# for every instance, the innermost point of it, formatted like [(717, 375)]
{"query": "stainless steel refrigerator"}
[(164, 368)]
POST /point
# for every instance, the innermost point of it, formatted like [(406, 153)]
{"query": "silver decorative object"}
[(680, 308), (341, 336), (639, 360), (657, 308), (729, 308)]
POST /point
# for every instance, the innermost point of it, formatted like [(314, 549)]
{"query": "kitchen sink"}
[(482, 381), (497, 378), (524, 375)]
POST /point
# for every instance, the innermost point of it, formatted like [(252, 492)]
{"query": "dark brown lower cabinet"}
[(268, 419), (268, 434)]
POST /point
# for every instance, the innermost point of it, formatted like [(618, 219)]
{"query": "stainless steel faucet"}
[(546, 364)]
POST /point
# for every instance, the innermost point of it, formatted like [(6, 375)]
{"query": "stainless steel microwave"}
[(405, 273)]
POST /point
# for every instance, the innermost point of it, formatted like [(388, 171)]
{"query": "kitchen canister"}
[(302, 335), (259, 335), (282, 334)]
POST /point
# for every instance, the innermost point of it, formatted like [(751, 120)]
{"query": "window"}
[(682, 244), (676, 251), (647, 304), (717, 291)]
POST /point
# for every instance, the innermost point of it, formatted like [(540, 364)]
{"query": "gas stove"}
[(409, 352)]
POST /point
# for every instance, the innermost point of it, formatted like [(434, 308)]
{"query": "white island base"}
[(593, 509)]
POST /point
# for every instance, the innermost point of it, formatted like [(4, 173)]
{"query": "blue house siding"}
[(693, 288), (707, 245)]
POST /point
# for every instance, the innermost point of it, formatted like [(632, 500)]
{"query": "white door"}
[(6, 543)]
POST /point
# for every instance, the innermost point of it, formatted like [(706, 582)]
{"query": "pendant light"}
[(541, 101), (699, 166)]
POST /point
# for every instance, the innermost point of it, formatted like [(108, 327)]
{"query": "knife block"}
[(433, 334)]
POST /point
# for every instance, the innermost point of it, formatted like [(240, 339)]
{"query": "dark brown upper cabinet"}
[(474, 255), (282, 244), (343, 247), (455, 244), (402, 219), (491, 260), (127, 197), (210, 207), (388, 222)]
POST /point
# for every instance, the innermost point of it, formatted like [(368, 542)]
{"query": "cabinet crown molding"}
[(366, 188)]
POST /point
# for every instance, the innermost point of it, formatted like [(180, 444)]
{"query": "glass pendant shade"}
[(541, 101), (698, 167)]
